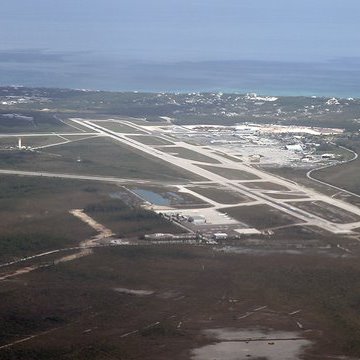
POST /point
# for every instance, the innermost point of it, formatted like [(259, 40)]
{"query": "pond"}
[(152, 197), (232, 344)]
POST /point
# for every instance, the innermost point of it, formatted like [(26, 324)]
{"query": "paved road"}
[(191, 166), (77, 177), (194, 167), (309, 173), (47, 134)]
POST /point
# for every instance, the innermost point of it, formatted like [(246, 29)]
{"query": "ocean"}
[(339, 78)]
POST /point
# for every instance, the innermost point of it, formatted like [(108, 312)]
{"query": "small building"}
[(220, 236), (188, 236), (255, 158), (295, 147), (328, 156), (333, 101), (197, 219), (248, 231), (159, 236), (307, 158)]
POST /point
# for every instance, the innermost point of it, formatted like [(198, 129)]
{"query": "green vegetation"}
[(341, 154), (220, 195), (35, 218), (299, 175), (31, 122), (98, 156), (229, 157), (327, 211), (260, 216), (35, 215), (27, 141), (194, 288), (188, 154), (203, 108), (231, 174), (150, 140), (129, 222), (286, 195), (345, 175), (118, 127), (35, 237), (326, 289), (265, 185)]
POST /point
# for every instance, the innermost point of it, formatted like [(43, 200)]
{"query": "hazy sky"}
[(304, 30)]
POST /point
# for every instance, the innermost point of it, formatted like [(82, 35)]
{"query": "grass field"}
[(34, 141), (32, 122), (98, 156), (220, 195), (193, 289), (229, 157), (118, 127), (327, 211), (299, 175), (231, 174), (265, 185), (341, 175), (286, 196), (75, 127), (188, 154), (150, 140), (346, 179), (345, 176), (260, 216)]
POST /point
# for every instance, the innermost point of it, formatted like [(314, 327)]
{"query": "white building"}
[(332, 101), (220, 236), (295, 147), (197, 219)]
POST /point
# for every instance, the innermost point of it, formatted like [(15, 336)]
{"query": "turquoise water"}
[(337, 78)]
